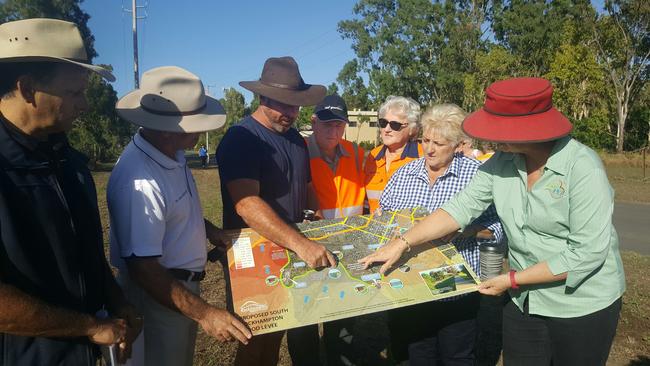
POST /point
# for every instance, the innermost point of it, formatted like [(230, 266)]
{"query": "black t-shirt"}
[(279, 162)]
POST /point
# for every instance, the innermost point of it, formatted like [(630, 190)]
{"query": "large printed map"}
[(273, 289)]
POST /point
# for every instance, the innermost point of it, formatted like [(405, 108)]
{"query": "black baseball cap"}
[(332, 108)]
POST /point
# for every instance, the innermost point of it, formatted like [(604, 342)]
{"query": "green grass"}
[(632, 342)]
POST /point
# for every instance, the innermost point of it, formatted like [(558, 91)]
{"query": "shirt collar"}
[(25, 150), (419, 169), (410, 151), (560, 156), (155, 154), (314, 151), (54, 141)]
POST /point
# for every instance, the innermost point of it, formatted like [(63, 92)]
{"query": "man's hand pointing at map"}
[(316, 255)]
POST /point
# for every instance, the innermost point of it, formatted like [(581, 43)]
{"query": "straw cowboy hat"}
[(518, 110), (281, 81), (171, 99), (40, 39)]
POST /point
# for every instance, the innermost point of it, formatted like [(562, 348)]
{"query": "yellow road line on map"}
[(345, 219), (352, 228), (388, 224)]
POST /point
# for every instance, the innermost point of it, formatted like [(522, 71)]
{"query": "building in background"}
[(362, 127)]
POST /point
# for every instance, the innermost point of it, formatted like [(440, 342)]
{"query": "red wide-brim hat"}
[(518, 110)]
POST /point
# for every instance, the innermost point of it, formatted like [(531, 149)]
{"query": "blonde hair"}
[(446, 119), (403, 106)]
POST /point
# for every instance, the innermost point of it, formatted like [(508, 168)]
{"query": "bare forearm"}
[(260, 216), (434, 226), (165, 289), (25, 315), (538, 273)]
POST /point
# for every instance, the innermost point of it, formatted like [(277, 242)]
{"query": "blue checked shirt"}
[(410, 187)]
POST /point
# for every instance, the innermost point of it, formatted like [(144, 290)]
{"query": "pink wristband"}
[(513, 282)]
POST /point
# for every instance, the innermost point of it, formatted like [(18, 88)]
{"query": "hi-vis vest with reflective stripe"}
[(342, 193), (375, 170)]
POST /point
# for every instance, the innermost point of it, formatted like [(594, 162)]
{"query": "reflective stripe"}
[(332, 213), (373, 195)]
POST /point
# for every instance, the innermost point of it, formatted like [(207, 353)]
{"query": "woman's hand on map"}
[(389, 254), (495, 286), (223, 326)]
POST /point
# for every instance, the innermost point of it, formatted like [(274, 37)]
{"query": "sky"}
[(222, 42)]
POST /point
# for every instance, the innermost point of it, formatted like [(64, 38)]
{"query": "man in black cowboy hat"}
[(266, 185), (54, 278)]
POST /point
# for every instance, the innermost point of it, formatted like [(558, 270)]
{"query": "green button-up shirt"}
[(565, 220)]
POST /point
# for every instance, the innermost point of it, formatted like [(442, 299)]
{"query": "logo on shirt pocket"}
[(556, 189)]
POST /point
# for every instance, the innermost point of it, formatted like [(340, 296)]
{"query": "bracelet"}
[(513, 282), (408, 245)]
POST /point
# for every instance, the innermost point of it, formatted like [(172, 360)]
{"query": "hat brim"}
[(329, 116), (540, 127), (97, 69), (210, 118), (312, 95)]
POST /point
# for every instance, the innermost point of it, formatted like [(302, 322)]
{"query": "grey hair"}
[(405, 107), (446, 119)]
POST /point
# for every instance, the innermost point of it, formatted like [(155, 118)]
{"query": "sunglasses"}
[(394, 125)]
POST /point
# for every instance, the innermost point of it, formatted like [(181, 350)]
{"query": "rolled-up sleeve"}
[(475, 198), (591, 202)]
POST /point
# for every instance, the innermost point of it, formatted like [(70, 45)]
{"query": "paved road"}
[(632, 222)]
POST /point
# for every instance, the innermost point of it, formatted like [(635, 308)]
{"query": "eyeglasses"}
[(394, 125)]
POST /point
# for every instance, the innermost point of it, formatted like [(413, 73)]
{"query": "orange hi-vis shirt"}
[(375, 169), (341, 191)]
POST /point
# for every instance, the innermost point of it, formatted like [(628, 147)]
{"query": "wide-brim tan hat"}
[(171, 99), (41, 39), (281, 81)]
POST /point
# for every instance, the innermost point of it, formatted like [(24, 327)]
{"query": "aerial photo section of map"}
[(273, 289)]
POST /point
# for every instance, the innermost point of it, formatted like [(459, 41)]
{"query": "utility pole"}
[(134, 17)]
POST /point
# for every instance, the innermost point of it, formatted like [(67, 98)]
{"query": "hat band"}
[(518, 114), (302, 86), (178, 114)]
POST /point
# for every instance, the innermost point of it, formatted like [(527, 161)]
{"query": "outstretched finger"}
[(487, 290), (237, 334), (332, 259), (389, 263), (242, 328), (367, 260)]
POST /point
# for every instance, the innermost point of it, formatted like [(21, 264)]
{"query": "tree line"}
[(450, 51), (443, 51)]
